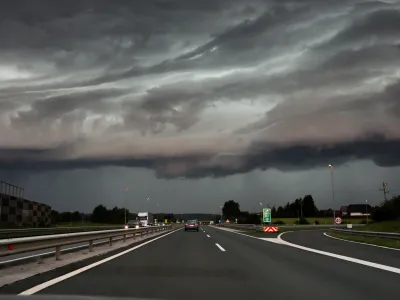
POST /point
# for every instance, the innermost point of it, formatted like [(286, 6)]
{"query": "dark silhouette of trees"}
[(388, 210), (231, 210)]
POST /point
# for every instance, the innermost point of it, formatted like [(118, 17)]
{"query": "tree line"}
[(101, 214), (305, 208)]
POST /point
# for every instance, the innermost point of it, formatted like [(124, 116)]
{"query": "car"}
[(192, 225), (133, 224)]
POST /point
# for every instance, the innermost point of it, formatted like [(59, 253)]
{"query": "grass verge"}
[(387, 226), (367, 240), (321, 221)]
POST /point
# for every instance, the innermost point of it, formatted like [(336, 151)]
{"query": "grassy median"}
[(367, 240), (388, 226)]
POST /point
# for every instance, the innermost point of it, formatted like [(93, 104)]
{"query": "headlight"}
[(126, 227), (137, 226)]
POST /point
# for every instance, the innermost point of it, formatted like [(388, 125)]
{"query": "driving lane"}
[(218, 264), (181, 264)]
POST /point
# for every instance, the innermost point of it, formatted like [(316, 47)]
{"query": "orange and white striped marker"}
[(270, 229)]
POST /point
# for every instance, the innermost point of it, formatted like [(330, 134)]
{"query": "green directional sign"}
[(266, 215)]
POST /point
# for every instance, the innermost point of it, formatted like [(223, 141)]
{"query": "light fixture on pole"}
[(333, 192)]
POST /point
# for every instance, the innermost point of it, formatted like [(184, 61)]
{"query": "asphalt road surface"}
[(217, 264), (317, 240)]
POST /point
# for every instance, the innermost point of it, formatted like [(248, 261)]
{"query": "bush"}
[(279, 222), (316, 222), (302, 221)]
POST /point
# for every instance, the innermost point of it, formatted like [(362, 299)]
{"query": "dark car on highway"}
[(192, 225), (133, 224)]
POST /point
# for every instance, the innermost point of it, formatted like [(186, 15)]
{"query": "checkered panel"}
[(23, 212)]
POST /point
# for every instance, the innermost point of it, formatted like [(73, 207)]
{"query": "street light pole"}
[(126, 189), (366, 209), (333, 191)]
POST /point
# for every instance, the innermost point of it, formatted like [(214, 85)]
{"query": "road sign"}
[(338, 220), (266, 215), (166, 221), (270, 229)]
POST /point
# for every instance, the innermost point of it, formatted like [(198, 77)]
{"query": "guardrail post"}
[(124, 238), (110, 241), (58, 253), (90, 246)]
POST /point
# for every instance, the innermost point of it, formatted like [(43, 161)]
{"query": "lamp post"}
[(126, 190), (333, 191), (366, 209)]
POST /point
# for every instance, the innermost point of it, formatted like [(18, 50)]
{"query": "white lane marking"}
[(62, 251), (346, 258), (236, 232), (220, 248), (342, 257), (53, 281), (366, 244), (272, 240), (208, 235)]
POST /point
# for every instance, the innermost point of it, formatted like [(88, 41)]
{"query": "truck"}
[(146, 218)]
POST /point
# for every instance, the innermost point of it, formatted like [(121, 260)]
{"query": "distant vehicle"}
[(133, 224), (146, 219), (192, 225)]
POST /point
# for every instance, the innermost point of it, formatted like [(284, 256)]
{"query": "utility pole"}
[(383, 189), (333, 191)]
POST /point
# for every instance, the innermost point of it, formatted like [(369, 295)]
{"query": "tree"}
[(76, 216), (231, 209), (309, 208), (100, 214)]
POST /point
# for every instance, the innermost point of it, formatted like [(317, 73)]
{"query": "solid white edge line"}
[(342, 257), (220, 248), (53, 281), (366, 244)]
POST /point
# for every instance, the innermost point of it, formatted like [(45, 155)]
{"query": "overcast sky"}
[(193, 103)]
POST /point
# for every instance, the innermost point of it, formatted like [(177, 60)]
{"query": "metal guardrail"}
[(28, 244), (385, 235), (45, 229)]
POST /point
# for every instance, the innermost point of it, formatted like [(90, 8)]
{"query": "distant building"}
[(343, 211), (358, 210), (15, 210)]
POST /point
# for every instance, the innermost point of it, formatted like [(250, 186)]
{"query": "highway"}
[(218, 264)]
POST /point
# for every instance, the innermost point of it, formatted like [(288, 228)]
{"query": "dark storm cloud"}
[(152, 84)]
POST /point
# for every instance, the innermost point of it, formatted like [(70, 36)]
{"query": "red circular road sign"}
[(338, 220)]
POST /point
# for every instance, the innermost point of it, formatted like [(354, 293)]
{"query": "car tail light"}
[(197, 225), (186, 224)]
